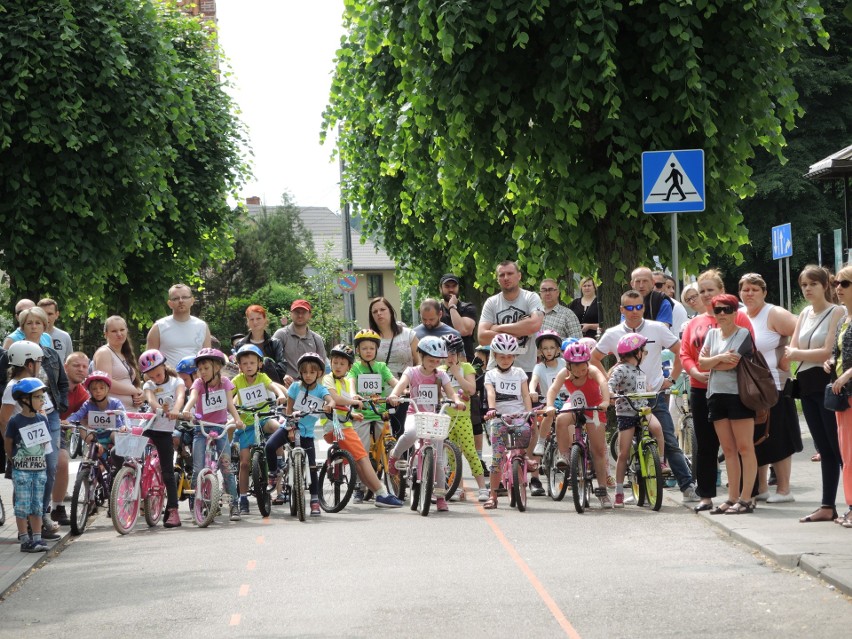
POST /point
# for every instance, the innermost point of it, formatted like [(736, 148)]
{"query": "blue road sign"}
[(782, 241), (673, 181)]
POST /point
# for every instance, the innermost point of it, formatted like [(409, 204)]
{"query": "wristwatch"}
[(453, 307)]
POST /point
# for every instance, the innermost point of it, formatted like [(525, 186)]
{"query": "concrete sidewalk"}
[(821, 549)]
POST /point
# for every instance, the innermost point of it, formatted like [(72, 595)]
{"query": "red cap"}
[(303, 304)]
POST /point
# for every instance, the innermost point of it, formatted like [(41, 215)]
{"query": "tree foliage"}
[(477, 130), (118, 149)]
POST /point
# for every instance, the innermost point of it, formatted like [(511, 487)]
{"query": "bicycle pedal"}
[(401, 464)]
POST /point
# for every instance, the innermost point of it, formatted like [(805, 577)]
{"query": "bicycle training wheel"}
[(337, 481), (452, 460), (124, 507), (579, 480), (260, 480), (207, 495), (653, 477), (519, 484), (427, 481), (80, 501)]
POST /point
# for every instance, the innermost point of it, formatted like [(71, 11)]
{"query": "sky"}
[(281, 54)]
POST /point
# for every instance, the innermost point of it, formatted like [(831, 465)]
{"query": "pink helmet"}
[(631, 342), (504, 344), (547, 334), (97, 376), (150, 359), (590, 342), (213, 354), (577, 353)]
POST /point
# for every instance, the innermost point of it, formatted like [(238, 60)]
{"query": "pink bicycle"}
[(515, 429)]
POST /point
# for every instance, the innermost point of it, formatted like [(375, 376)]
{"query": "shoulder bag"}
[(755, 384)]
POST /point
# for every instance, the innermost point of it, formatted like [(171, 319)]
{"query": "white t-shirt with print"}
[(498, 310)]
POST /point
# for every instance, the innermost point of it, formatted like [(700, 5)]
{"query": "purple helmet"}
[(547, 334), (213, 354), (631, 342), (577, 353), (150, 359)]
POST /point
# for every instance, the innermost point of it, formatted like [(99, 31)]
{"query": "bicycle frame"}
[(516, 486)]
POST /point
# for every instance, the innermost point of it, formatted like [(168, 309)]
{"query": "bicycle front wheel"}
[(207, 495), (687, 439), (578, 478), (337, 481), (80, 502), (519, 483), (637, 481), (427, 481), (653, 479), (155, 501), (260, 479), (452, 460), (124, 507), (395, 483), (297, 498), (557, 479)]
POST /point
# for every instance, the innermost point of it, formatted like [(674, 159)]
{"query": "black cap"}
[(449, 277)]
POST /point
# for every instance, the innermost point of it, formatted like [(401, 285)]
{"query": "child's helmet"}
[(577, 353), (97, 376), (631, 342), (187, 366), (433, 346), (26, 386), (343, 350), (150, 359), (504, 344), (567, 342), (591, 342), (249, 348), (455, 344), (311, 357), (21, 352), (213, 354), (367, 334), (547, 334)]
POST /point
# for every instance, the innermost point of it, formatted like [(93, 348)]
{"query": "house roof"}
[(326, 226), (835, 166)]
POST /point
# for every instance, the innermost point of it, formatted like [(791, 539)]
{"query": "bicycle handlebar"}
[(204, 425)]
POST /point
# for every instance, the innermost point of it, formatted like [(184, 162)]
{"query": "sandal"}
[(810, 518), (719, 510), (741, 508), (491, 504), (840, 520)]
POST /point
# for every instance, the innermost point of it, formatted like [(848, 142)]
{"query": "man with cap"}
[(298, 338), (459, 315)]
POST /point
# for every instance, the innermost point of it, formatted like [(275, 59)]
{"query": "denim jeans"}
[(673, 453), (199, 448), (52, 458)]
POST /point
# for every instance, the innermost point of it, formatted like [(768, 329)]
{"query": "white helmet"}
[(20, 352), (504, 344), (433, 346)]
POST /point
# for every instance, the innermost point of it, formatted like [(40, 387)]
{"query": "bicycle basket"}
[(515, 436), (129, 445), (432, 425)]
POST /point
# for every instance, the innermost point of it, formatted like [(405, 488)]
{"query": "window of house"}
[(375, 285)]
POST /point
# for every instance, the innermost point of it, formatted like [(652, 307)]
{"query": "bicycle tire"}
[(613, 445), (260, 479), (207, 497), (427, 481), (519, 486), (578, 478), (395, 483), (452, 460), (154, 504), (637, 482), (297, 498), (75, 445), (2, 512), (80, 506), (687, 439), (557, 479), (123, 507), (337, 481), (654, 476)]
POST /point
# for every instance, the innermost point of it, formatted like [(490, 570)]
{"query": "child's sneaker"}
[(619, 500), (172, 518), (388, 501), (31, 547), (538, 451), (280, 498), (244, 507), (603, 497), (441, 503), (359, 496), (235, 513), (315, 509)]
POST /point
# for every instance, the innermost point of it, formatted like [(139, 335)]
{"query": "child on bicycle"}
[(338, 383), (586, 386), (425, 381), (369, 378), (508, 393), (463, 378), (94, 415), (627, 377), (549, 345), (29, 464), (211, 400), (252, 387), (305, 396), (163, 389)]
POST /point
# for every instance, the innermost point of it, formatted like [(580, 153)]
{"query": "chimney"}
[(253, 200)]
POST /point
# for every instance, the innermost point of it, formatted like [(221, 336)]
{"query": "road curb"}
[(9, 581)]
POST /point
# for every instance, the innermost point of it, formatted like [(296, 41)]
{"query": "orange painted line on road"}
[(557, 613), (235, 619), (266, 521), (260, 539), (251, 565), (244, 590)]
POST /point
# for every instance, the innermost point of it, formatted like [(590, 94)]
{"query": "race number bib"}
[(427, 394), (35, 434), (509, 387), (641, 384), (251, 396), (577, 399), (99, 419), (211, 402), (307, 403), (369, 384), (162, 423)]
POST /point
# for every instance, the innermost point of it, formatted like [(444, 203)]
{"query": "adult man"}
[(515, 311), (430, 318), (460, 315), (298, 338), (180, 334), (666, 283), (557, 317), (659, 338), (61, 340), (657, 306), (76, 368), (17, 335)]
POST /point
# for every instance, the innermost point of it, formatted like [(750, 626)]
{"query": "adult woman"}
[(812, 346), (586, 307), (840, 366), (117, 358), (773, 326), (692, 300), (257, 323), (398, 348), (704, 459), (734, 423)]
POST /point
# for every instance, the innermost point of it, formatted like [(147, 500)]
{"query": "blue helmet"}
[(567, 342), (187, 366), (26, 386), (249, 348)]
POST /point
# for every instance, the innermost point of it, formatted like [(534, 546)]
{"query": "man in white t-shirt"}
[(659, 338), (180, 334), (61, 340), (515, 311)]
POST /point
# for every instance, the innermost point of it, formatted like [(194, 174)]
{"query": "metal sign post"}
[(782, 249)]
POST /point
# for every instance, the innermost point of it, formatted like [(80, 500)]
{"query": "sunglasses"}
[(727, 310), (659, 284), (633, 307), (843, 283)]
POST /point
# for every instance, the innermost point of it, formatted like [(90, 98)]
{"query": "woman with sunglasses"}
[(840, 365), (734, 423), (705, 457), (773, 328)]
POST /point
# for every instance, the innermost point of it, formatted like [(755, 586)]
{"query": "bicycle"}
[(686, 437), (514, 464), (381, 445), (183, 465), (259, 477), (93, 485), (644, 470), (581, 464), (337, 474), (296, 464), (139, 481), (208, 493)]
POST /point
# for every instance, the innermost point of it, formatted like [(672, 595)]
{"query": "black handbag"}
[(839, 402)]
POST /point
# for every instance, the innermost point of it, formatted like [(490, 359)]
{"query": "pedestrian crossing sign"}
[(673, 181)]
